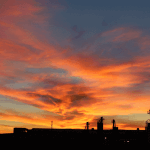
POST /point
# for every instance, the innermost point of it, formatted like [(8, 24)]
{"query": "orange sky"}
[(43, 82)]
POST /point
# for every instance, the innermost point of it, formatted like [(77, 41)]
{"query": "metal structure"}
[(87, 124), (104, 137), (51, 124), (114, 124), (147, 121), (148, 128), (101, 120), (100, 124)]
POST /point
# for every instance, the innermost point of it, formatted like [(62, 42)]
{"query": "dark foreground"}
[(85, 141)]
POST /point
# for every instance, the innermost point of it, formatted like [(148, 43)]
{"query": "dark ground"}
[(67, 141)]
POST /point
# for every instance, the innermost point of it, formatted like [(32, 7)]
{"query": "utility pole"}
[(51, 124)]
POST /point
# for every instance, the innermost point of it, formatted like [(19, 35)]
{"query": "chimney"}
[(100, 124), (87, 124)]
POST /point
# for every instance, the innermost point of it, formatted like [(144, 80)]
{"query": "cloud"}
[(48, 99), (126, 106), (79, 34), (80, 100), (46, 70), (129, 34)]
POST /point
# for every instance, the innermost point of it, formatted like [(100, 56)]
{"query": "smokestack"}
[(100, 124), (87, 124)]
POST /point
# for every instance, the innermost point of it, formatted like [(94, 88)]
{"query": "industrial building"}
[(82, 136), (103, 136)]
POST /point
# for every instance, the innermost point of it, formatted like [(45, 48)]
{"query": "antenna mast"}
[(51, 124)]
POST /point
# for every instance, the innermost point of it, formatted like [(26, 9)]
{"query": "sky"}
[(72, 62)]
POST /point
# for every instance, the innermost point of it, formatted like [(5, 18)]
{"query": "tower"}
[(148, 128), (87, 124), (114, 125), (51, 124), (100, 130), (100, 124), (114, 132)]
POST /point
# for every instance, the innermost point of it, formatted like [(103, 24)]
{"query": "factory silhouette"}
[(80, 138)]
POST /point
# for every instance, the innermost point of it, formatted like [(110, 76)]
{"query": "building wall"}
[(100, 126), (148, 132)]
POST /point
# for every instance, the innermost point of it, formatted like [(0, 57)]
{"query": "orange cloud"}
[(19, 8)]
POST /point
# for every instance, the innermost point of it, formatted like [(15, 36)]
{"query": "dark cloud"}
[(80, 33), (46, 98), (51, 81), (79, 100), (80, 96), (71, 115), (49, 99), (61, 81), (38, 106), (75, 89), (77, 97), (75, 113), (69, 118), (46, 70), (32, 49)]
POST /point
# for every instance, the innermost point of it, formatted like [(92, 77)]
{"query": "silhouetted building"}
[(99, 136), (115, 128), (87, 124), (20, 130), (148, 132), (100, 124)]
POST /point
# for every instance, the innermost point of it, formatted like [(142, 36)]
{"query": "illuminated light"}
[(127, 141), (105, 137)]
